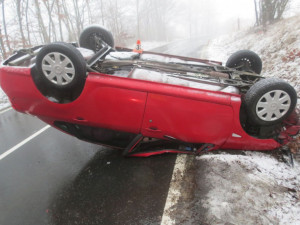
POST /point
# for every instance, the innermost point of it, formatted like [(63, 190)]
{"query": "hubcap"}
[(58, 68), (273, 105)]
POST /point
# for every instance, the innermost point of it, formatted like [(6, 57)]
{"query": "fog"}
[(26, 23), (216, 17)]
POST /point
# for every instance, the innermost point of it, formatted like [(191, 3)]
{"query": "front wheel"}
[(61, 66), (270, 101)]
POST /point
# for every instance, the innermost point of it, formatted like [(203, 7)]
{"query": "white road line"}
[(5, 110), (174, 189), (3, 155)]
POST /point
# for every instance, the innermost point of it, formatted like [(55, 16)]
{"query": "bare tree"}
[(27, 23), (66, 18), (3, 51), (51, 28), (78, 17), (4, 26), (256, 13), (89, 12), (60, 17), (114, 21), (102, 12), (160, 12), (271, 10), (41, 22), (138, 19), (20, 17)]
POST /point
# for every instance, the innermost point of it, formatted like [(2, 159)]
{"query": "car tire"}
[(88, 38), (270, 101), (245, 60), (61, 67)]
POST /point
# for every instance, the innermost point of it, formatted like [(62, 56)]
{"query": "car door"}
[(189, 116)]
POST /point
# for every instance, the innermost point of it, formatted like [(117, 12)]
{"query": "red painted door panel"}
[(114, 108), (187, 119), (105, 101)]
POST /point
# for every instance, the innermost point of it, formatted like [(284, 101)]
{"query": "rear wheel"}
[(245, 60), (95, 38), (270, 101)]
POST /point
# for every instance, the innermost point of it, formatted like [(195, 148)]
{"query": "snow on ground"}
[(3, 100), (148, 45), (278, 46), (254, 188)]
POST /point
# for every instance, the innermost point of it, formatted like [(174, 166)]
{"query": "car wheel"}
[(93, 36), (270, 101), (245, 60), (61, 66)]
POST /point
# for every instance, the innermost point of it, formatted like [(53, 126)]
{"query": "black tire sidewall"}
[(73, 54), (235, 58), (258, 90), (106, 36)]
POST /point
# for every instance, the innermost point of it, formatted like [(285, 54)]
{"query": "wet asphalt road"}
[(58, 179), (189, 48)]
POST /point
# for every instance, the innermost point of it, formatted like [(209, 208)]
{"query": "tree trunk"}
[(102, 13), (4, 26), (68, 23), (90, 21), (256, 13), (19, 15), (49, 6), (271, 11), (77, 17), (27, 23), (281, 8), (59, 20), (138, 19), (41, 22), (3, 51)]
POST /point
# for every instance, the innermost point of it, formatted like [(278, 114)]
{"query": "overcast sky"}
[(215, 17)]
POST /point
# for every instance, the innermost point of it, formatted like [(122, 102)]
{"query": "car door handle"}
[(153, 129), (80, 119)]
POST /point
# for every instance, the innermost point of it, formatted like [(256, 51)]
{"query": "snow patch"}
[(149, 75), (165, 59), (148, 45), (251, 187), (278, 46), (4, 103)]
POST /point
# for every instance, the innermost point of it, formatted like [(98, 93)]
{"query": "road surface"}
[(48, 177)]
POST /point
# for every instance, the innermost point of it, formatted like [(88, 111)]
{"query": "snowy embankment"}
[(256, 188), (278, 46)]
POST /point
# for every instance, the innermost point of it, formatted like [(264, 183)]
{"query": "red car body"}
[(140, 107)]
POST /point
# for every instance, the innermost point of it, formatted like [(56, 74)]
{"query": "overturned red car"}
[(148, 103)]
